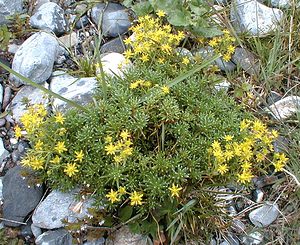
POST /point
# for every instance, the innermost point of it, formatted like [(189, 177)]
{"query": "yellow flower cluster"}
[(223, 45), (32, 119), (152, 39), (115, 196), (120, 149), (247, 154), (33, 162), (140, 83)]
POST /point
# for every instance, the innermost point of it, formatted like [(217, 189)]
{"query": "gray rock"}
[(56, 237), (238, 226), (2, 122), (19, 198), (6, 97), (264, 215), (34, 95), (13, 48), (254, 238), (1, 188), (79, 90), (281, 144), (114, 46), (57, 207), (273, 97), (1, 95), (184, 52), (247, 61), (281, 3), (49, 17), (3, 153), (82, 22), (230, 239), (284, 108), (254, 17), (9, 7), (26, 231), (68, 40), (225, 85), (36, 231), (125, 237), (115, 20), (208, 52), (258, 195), (100, 241), (35, 58)]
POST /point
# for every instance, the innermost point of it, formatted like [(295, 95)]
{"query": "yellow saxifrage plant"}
[(148, 150)]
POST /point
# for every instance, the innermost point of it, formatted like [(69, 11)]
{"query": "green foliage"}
[(5, 36), (191, 15)]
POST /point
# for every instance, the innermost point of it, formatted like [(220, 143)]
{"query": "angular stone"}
[(254, 17), (19, 198), (49, 17), (114, 46), (68, 40), (284, 108), (57, 207), (9, 7), (264, 215), (254, 238), (35, 58), (56, 237), (246, 60), (125, 237), (79, 90), (34, 95), (281, 3), (115, 19)]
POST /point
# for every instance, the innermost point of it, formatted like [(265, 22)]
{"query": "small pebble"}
[(6, 97), (258, 195), (2, 122)]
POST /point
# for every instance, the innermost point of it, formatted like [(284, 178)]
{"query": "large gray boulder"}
[(35, 58), (254, 17), (19, 198), (115, 18), (57, 207), (49, 17), (9, 7)]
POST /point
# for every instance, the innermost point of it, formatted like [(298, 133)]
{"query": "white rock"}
[(58, 206), (1, 187), (254, 238), (284, 108), (49, 17), (281, 3), (79, 90), (223, 85), (35, 58), (254, 17), (34, 95), (13, 48), (114, 64)]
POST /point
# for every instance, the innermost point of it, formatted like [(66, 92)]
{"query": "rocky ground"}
[(34, 214)]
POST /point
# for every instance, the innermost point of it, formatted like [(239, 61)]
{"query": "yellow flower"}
[(185, 61), (60, 147), (228, 155), (128, 54), (274, 134), (36, 163), (122, 190), (258, 126), (213, 42), (134, 85), (127, 152), (124, 135), (118, 159), (228, 137), (226, 57), (175, 190), (230, 49), (245, 177), (38, 145), (56, 160), (165, 89), (136, 198), (79, 155), (244, 124), (62, 131), (71, 169), (108, 139), (145, 58), (18, 131), (161, 13), (246, 166), (279, 166), (112, 196), (127, 41), (166, 48), (161, 60), (59, 118), (111, 149), (222, 168)]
